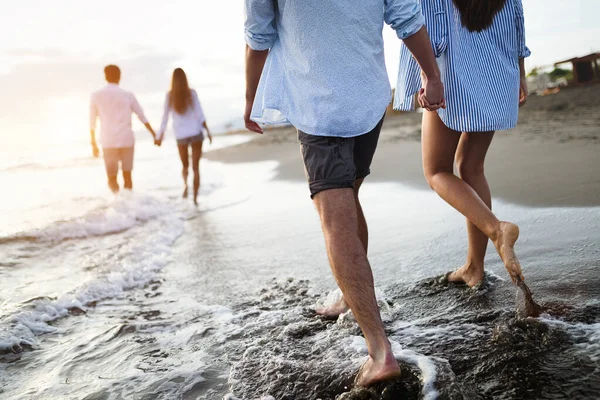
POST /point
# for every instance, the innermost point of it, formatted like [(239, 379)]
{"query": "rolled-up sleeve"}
[(404, 16), (260, 28), (520, 15)]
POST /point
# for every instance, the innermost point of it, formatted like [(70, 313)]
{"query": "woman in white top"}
[(189, 125)]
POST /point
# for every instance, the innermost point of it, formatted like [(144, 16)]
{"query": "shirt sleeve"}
[(260, 29), (165, 118), (523, 49), (404, 16), (137, 110), (93, 113)]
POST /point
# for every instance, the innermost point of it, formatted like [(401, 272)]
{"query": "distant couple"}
[(115, 106), (320, 65)]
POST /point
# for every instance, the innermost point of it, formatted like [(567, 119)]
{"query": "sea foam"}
[(138, 265)]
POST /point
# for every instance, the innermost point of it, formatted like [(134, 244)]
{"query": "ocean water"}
[(144, 296)]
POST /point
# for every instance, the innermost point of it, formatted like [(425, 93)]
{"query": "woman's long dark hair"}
[(477, 15), (181, 95)]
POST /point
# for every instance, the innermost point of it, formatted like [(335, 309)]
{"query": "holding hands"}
[(431, 95)]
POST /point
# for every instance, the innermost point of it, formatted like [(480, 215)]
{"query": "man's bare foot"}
[(185, 192), (505, 245), (467, 274), (372, 371), (334, 310)]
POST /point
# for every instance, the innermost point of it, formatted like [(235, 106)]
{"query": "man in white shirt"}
[(114, 106)]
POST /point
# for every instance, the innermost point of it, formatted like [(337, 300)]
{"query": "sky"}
[(52, 55)]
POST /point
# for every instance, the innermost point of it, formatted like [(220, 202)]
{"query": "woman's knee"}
[(433, 175), (470, 169)]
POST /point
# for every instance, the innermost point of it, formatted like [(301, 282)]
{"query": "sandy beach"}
[(551, 159)]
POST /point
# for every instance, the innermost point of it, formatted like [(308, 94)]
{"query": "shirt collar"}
[(112, 85)]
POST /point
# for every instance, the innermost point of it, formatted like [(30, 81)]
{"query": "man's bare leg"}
[(348, 259), (340, 306), (127, 179), (470, 160), (113, 184)]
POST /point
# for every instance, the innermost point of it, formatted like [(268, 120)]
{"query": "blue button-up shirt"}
[(325, 72)]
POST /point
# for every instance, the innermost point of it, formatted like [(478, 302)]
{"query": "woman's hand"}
[(431, 96), (524, 92), (209, 136)]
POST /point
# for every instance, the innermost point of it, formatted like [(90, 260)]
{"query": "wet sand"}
[(550, 160)]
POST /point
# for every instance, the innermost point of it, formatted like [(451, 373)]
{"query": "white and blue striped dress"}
[(480, 70)]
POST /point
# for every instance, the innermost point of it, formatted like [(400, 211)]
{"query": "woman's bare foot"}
[(505, 245), (334, 310), (468, 274), (372, 371), (185, 192)]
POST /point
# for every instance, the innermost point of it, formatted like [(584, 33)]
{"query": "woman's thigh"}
[(184, 155), (439, 145)]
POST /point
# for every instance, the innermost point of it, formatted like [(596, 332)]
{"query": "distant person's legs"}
[(470, 160), (196, 156), (127, 166), (111, 162), (439, 148), (182, 146)]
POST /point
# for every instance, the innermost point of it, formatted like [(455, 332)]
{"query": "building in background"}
[(586, 70)]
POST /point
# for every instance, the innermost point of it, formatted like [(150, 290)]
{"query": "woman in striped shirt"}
[(480, 45)]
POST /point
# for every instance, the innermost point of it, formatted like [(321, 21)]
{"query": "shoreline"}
[(551, 159)]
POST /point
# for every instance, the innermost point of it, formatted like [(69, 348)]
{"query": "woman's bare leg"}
[(196, 155), (185, 162), (470, 159), (439, 148)]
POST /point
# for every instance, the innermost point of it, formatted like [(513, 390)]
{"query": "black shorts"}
[(336, 162)]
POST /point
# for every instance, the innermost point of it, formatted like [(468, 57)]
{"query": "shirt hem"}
[(309, 130)]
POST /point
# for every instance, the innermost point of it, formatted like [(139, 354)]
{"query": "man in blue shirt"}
[(319, 64)]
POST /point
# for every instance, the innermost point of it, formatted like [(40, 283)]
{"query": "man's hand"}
[(95, 150), (524, 92), (209, 136), (251, 125), (255, 62), (158, 142)]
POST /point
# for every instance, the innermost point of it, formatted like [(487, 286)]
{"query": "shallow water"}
[(144, 296)]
